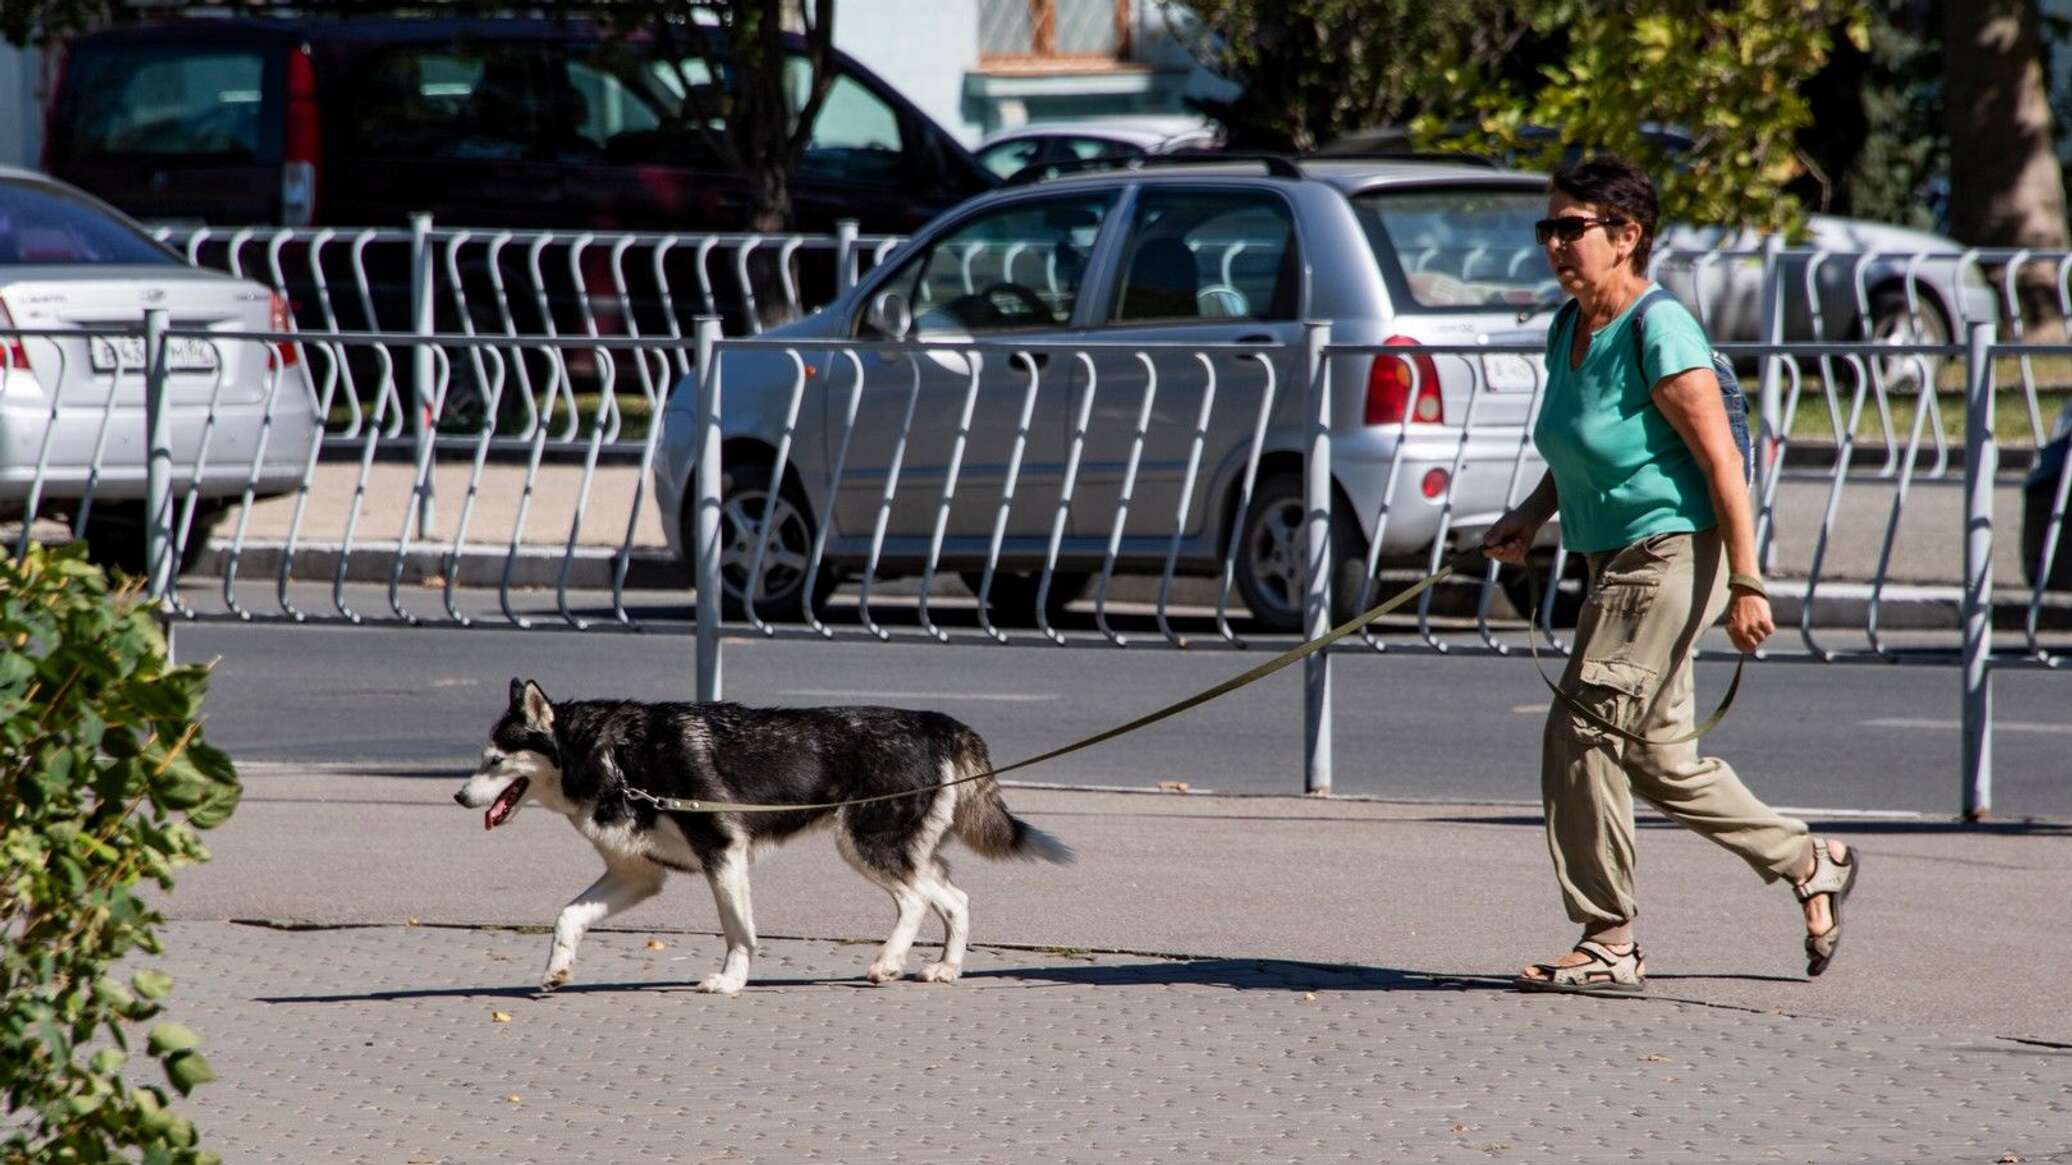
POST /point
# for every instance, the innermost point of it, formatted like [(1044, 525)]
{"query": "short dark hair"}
[(1614, 184)]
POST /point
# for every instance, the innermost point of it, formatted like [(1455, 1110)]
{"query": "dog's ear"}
[(539, 711)]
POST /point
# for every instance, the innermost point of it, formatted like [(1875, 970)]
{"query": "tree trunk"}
[(2005, 186)]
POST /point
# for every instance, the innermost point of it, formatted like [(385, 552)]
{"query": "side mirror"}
[(890, 316)]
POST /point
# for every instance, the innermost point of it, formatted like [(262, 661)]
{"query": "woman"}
[(1646, 475)]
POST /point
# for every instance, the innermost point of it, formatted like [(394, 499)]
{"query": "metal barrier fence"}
[(430, 280), (1028, 468)]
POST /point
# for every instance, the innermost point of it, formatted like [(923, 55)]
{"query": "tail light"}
[(301, 144), (1389, 383), (282, 321), (13, 353)]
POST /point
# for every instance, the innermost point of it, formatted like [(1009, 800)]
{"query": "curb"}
[(1837, 604)]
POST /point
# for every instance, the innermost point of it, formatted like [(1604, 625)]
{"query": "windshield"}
[(1459, 250), (41, 224)]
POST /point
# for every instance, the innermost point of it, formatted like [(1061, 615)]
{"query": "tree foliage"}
[(104, 780), (1732, 76), (1494, 77)]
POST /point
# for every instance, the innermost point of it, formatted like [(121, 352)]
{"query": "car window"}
[(1459, 248), (1084, 148), (856, 138), (42, 223), (450, 101), (623, 106), (1195, 255), (1009, 158), (1017, 268), (161, 100)]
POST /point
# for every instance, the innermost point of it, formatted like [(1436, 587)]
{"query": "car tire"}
[(2037, 498), (744, 487), (1522, 586), (115, 536), (1013, 597), (1270, 551), (1892, 323)]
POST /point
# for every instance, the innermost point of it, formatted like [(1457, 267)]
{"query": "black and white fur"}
[(580, 759)]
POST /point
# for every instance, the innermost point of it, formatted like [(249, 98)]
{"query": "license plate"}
[(183, 354), (1506, 372)]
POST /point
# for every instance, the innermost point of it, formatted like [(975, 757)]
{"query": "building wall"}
[(923, 48), (21, 107)]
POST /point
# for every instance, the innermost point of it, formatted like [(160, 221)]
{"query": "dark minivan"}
[(494, 123)]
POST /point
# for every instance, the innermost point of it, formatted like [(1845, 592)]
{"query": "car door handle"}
[(1255, 338), (1025, 359)]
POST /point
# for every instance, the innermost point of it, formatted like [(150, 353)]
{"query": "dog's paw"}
[(883, 973), (555, 979), (722, 985), (941, 973)]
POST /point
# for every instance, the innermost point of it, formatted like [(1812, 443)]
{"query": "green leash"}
[(1463, 562)]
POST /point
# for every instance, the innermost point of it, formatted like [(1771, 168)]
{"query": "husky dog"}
[(590, 760)]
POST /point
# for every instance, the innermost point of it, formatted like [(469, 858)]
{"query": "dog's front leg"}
[(619, 888), (728, 873)]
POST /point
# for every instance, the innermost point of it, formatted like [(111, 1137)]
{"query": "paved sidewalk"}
[(1217, 979)]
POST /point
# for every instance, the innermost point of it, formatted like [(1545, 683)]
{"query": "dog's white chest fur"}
[(625, 841)]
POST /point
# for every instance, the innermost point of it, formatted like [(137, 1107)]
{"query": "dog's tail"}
[(982, 819)]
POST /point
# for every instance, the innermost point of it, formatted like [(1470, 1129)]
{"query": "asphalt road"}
[(1409, 725)]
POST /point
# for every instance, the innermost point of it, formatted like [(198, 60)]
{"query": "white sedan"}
[(72, 423)]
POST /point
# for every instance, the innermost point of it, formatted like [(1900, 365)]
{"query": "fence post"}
[(158, 473), (1316, 608), (705, 487), (1981, 463), (845, 254), (1770, 395), (421, 324)]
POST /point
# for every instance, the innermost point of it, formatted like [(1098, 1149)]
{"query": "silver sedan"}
[(72, 424)]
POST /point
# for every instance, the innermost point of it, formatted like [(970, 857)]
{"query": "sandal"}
[(1607, 972), (1836, 878)]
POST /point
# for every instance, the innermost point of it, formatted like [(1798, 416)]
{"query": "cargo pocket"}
[(1614, 692)]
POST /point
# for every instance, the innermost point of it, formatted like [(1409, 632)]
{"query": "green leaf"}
[(152, 984), (172, 1037), (109, 1061), (187, 1070)]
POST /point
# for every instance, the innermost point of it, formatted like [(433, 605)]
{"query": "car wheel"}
[(1522, 587), (2038, 497), (1273, 545), (1892, 323), (781, 592), (1013, 597), (115, 536)]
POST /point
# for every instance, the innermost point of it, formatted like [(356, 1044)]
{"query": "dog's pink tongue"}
[(489, 817)]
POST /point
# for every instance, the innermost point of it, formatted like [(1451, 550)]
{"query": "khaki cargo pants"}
[(1632, 664)]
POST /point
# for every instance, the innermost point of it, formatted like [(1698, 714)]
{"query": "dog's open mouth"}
[(505, 804)]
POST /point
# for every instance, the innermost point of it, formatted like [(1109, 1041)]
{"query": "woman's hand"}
[(1511, 537), (1749, 621)]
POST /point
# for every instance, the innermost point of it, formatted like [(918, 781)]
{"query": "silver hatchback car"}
[(1146, 267)]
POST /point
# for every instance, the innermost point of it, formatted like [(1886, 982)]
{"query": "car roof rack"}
[(1277, 165), (1429, 157)]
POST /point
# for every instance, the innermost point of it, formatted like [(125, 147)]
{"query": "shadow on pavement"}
[(2024, 828), (1238, 974)]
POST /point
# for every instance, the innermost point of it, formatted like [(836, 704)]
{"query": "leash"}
[(1462, 562)]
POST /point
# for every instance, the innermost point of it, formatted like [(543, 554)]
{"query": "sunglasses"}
[(1568, 230)]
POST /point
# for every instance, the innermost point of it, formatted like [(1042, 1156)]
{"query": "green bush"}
[(103, 781)]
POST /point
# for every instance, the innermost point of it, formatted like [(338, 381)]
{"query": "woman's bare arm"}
[(1691, 401)]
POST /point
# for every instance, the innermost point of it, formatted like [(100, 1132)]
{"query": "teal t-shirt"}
[(1623, 471)]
